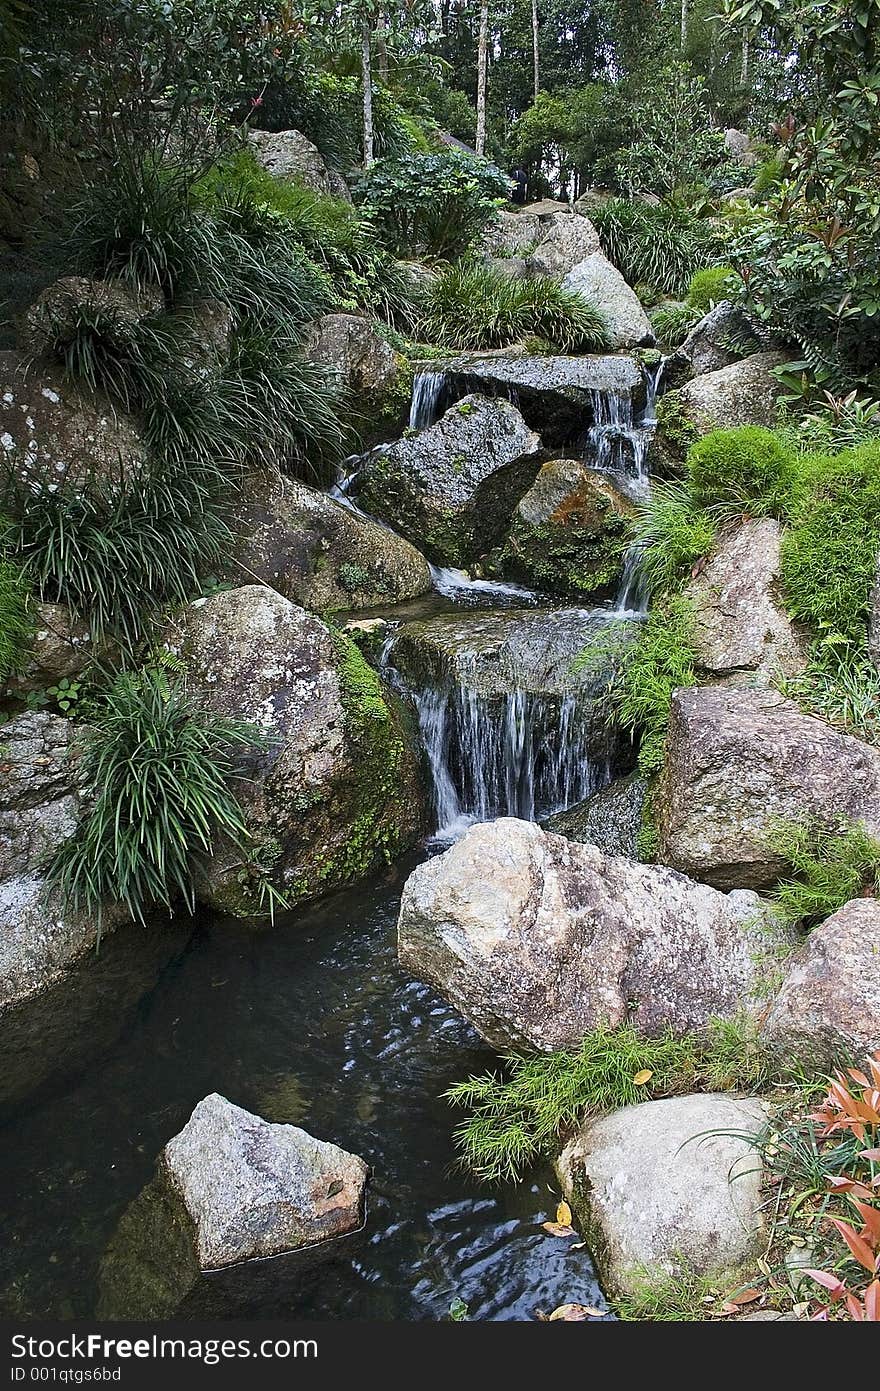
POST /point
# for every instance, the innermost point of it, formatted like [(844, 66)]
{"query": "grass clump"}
[(476, 307), (829, 867), (744, 470), (659, 662), (157, 773), (710, 286), (672, 321), (652, 1298), (660, 247), (16, 621), (673, 534)]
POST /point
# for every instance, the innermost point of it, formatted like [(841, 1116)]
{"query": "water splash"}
[(631, 600), (426, 395), (458, 586)]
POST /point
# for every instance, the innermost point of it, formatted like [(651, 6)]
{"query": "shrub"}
[(472, 306), (16, 623), (748, 469), (156, 771), (840, 685), (662, 246), (830, 867), (672, 321), (832, 423), (829, 554), (436, 204), (710, 286), (673, 534)]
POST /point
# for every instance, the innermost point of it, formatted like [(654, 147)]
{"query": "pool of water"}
[(311, 1022)]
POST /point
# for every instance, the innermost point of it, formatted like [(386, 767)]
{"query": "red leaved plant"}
[(852, 1104)]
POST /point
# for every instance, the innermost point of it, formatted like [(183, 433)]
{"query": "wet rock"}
[(740, 626), (603, 285), (320, 554), (288, 154), (703, 350), (452, 488), (55, 313), (569, 533), (828, 1008), (738, 762), (51, 429), (38, 789), (744, 393), (335, 789), (362, 361), (557, 396), (611, 819), (669, 1188), (230, 1190), (538, 940)]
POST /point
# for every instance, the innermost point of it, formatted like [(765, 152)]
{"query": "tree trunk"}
[(382, 45), (367, 75), (482, 76), (685, 6), (744, 68), (535, 53)]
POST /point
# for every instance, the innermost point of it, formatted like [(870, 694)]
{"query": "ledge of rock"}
[(538, 940), (828, 1007), (668, 1188), (738, 762), (452, 488), (230, 1190)]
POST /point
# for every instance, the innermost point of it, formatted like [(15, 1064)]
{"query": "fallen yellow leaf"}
[(642, 1077), (563, 1215), (575, 1313)]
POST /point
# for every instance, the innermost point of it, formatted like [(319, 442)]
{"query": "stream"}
[(313, 1022)]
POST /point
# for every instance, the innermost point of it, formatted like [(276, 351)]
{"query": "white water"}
[(427, 390), (458, 586)]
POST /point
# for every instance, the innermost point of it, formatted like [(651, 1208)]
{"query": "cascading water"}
[(618, 439), (427, 391)]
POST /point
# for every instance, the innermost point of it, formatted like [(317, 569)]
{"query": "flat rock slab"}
[(668, 1188), (538, 940), (740, 761)]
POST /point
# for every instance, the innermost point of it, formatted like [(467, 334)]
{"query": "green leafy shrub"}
[(829, 554), (748, 469), (157, 772), (473, 307), (829, 867), (672, 534), (662, 246), (672, 321), (16, 622), (710, 286), (433, 204), (832, 423)]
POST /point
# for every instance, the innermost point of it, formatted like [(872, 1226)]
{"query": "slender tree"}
[(535, 53), (367, 76), (482, 76), (685, 17)]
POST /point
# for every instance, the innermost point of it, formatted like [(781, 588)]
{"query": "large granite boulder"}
[(739, 762), (51, 429), (610, 819), (61, 647), (360, 360), (703, 350), (230, 1189), (828, 1007), (545, 238), (289, 155), (451, 489), (669, 1188), (741, 629), (319, 553), (560, 397), (569, 239), (569, 533), (743, 393), (512, 234), (603, 285), (538, 940), (334, 789)]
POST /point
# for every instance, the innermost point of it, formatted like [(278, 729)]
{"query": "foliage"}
[(840, 685), (710, 286), (666, 1299), (747, 469), (156, 772), (16, 621), (672, 321), (516, 1116), (659, 662), (829, 867), (673, 534), (833, 423), (476, 306), (676, 146), (436, 204), (659, 246)]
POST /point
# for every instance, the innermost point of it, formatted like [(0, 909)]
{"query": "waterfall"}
[(631, 600), (618, 439), (426, 394)]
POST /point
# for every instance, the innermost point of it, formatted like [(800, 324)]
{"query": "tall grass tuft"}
[(829, 866), (16, 621), (657, 246), (475, 307)]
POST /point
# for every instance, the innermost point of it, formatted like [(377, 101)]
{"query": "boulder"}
[(703, 349), (512, 234), (568, 240), (669, 1188), (51, 429), (360, 360), (738, 762), (603, 285), (538, 940), (62, 646), (334, 790), (55, 313), (288, 154), (452, 488), (828, 1008), (739, 147), (569, 533), (611, 819), (743, 393), (592, 200), (230, 1190), (560, 397), (418, 279), (741, 630), (319, 553), (545, 208)]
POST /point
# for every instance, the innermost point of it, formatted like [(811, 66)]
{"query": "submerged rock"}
[(738, 762), (827, 1010), (611, 819), (320, 554), (603, 285), (740, 625), (452, 488), (538, 940), (669, 1188), (334, 791), (569, 533), (230, 1190)]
